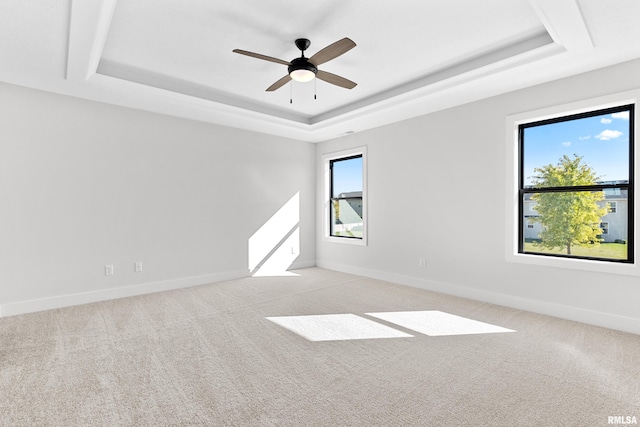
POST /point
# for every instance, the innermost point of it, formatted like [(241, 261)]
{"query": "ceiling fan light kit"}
[(304, 69)]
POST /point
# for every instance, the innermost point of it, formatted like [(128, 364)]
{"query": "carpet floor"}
[(269, 351)]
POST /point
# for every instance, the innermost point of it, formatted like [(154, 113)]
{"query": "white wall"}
[(84, 184), (449, 167)]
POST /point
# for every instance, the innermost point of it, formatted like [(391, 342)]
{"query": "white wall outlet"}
[(138, 266), (109, 270), (422, 262)]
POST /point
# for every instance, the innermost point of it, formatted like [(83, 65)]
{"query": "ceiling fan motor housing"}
[(302, 64)]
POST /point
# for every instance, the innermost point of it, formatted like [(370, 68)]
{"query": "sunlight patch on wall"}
[(438, 323), (277, 263), (336, 327), (276, 245)]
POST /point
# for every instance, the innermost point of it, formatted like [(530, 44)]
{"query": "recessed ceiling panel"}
[(609, 23), (34, 43)]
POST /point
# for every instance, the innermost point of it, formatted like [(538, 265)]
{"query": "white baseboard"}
[(597, 318), (41, 304)]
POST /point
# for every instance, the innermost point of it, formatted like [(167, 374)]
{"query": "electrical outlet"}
[(422, 262), (138, 267), (109, 270)]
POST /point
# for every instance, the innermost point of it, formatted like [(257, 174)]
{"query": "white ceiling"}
[(412, 57)]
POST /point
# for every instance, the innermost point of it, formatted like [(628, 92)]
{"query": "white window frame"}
[(604, 228), (511, 188), (613, 205), (326, 205)]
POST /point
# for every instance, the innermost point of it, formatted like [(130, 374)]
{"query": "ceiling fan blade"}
[(332, 51), (335, 80), (277, 85), (259, 56)]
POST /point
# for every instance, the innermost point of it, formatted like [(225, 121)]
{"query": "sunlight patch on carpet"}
[(336, 327), (438, 323)]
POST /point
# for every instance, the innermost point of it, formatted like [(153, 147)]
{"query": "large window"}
[(346, 215), (577, 170)]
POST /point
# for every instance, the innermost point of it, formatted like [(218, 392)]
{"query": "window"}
[(345, 205), (569, 165)]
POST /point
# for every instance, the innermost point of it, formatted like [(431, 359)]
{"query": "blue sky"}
[(602, 141), (347, 176)]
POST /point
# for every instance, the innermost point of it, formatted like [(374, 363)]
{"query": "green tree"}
[(568, 217)]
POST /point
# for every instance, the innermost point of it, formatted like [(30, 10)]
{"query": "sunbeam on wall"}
[(276, 245)]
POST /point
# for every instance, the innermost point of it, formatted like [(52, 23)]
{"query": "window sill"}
[(345, 240), (628, 269)]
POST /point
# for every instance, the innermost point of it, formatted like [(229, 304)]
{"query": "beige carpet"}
[(208, 355)]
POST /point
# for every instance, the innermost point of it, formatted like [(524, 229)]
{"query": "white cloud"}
[(608, 134), (623, 115), (566, 143), (605, 121), (583, 138)]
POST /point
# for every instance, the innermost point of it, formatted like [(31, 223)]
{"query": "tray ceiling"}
[(411, 58)]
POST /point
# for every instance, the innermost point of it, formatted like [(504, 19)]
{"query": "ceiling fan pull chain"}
[(315, 88), (290, 91)]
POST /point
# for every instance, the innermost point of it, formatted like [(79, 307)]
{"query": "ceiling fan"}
[(306, 69)]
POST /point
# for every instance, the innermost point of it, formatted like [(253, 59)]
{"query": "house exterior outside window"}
[(617, 229)]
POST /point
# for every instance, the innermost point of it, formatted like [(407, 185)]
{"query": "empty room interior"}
[(262, 213)]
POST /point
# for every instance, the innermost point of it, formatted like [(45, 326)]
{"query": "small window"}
[(345, 186), (569, 166)]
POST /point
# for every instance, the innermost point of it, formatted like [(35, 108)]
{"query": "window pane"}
[(346, 217), (577, 224), (346, 176), (601, 141)]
